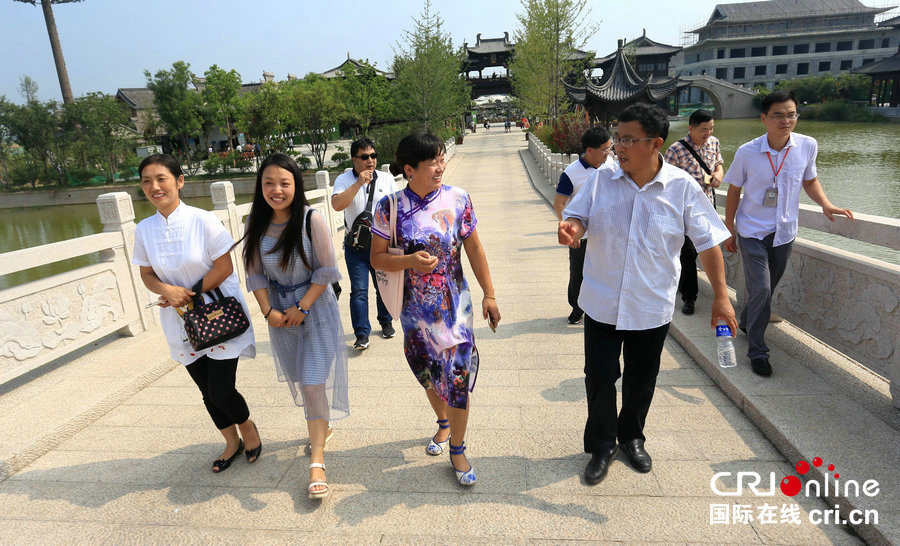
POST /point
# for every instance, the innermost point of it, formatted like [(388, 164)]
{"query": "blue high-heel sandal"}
[(467, 477), (436, 448)]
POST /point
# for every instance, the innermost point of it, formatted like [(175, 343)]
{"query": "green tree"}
[(366, 94), (61, 72), (313, 111), (549, 34), (429, 88), (260, 115), (36, 127), (177, 105), (104, 138), (6, 142), (220, 94)]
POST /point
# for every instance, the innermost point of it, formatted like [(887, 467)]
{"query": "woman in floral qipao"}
[(433, 223)]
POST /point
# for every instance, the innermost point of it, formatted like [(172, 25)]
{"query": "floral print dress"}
[(437, 307)]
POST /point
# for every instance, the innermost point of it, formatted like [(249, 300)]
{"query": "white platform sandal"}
[(321, 494), (465, 477), (436, 448), (328, 436)]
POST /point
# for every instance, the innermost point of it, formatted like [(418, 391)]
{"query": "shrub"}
[(342, 158), (387, 137), (566, 133), (544, 132), (303, 162), (213, 165)]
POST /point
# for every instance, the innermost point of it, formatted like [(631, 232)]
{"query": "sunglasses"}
[(365, 157)]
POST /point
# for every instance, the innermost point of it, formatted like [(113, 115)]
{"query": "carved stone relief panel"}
[(47, 320)]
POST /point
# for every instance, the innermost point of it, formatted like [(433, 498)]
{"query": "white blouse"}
[(181, 250)]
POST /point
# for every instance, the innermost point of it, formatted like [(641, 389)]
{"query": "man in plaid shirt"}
[(700, 139)]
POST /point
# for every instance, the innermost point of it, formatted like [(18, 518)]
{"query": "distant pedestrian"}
[(636, 216), (291, 143), (290, 263), (434, 223), (183, 251), (772, 168), (700, 155), (597, 152)]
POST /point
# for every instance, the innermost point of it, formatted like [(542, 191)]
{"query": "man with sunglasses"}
[(597, 151), (356, 192), (772, 169), (700, 155), (636, 216)]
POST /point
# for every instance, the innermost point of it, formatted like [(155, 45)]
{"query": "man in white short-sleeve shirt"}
[(771, 169), (351, 194), (636, 218), (596, 152)]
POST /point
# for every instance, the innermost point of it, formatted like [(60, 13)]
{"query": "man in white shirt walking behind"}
[(636, 218), (772, 168), (596, 151)]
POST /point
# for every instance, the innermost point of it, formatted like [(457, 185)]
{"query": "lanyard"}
[(775, 179)]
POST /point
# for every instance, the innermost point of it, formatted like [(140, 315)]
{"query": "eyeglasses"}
[(781, 117), (365, 157), (629, 142), (611, 149)]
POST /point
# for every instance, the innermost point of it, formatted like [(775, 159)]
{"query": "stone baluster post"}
[(117, 216), (323, 183), (557, 163), (223, 199)]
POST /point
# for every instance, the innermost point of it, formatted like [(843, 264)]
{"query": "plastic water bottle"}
[(725, 346)]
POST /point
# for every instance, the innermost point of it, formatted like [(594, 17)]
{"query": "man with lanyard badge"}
[(772, 169), (700, 155), (356, 192)]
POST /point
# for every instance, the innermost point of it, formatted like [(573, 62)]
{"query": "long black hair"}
[(261, 212)]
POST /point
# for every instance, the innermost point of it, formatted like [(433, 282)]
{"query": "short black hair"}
[(594, 137), (700, 116), (361, 143), (165, 160), (414, 149), (776, 97), (653, 120)]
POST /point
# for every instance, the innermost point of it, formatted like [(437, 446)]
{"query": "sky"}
[(108, 44)]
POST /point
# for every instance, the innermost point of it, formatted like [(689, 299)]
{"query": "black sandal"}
[(254, 453), (222, 464)]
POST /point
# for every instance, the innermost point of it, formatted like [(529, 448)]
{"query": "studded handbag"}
[(211, 323)]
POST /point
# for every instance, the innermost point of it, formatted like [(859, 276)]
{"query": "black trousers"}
[(687, 284), (602, 346), (576, 274), (223, 402)]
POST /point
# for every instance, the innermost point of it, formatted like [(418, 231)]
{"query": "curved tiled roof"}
[(751, 12), (621, 83), (890, 65)]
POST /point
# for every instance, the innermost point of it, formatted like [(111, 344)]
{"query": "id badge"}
[(771, 198)]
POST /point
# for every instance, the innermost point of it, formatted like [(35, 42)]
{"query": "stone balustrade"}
[(849, 301)]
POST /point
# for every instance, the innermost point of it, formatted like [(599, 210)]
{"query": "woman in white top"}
[(182, 250)]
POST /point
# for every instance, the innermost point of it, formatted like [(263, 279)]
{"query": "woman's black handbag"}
[(209, 324)]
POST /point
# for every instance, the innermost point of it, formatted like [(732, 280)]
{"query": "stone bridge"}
[(730, 100)]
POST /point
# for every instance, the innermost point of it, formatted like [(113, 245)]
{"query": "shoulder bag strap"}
[(696, 156), (393, 201), (371, 193)]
